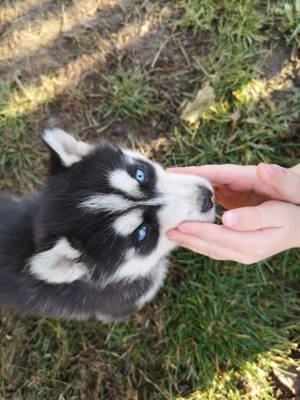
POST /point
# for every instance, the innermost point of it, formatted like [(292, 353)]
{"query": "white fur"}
[(181, 198), (120, 179), (158, 275), (178, 195), (136, 266), (181, 195), (134, 156), (107, 202), (113, 203), (126, 224), (66, 146), (58, 264)]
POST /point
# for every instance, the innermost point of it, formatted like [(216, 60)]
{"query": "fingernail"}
[(230, 218)]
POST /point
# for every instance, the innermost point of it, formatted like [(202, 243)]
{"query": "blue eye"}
[(140, 175), (142, 233)]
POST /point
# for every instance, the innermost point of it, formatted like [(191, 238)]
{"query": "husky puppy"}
[(93, 241)]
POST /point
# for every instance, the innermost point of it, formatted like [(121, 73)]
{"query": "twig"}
[(157, 55)]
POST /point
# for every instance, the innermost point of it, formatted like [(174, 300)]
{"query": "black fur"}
[(32, 225)]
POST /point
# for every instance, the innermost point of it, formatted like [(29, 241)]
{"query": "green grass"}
[(287, 14), (17, 147), (22, 112), (127, 94), (235, 313), (218, 329)]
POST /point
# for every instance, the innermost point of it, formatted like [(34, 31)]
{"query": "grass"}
[(17, 147), (217, 330), (127, 94), (234, 314), (287, 13)]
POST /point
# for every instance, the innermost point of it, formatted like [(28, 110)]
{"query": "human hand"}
[(238, 186), (248, 234)]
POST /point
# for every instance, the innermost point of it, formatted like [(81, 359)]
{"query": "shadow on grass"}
[(212, 319)]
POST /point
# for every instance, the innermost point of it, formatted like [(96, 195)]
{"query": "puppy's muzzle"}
[(206, 199)]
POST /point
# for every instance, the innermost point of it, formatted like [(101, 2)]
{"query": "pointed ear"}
[(64, 149), (59, 264)]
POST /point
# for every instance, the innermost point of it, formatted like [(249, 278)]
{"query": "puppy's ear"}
[(64, 149), (58, 265)]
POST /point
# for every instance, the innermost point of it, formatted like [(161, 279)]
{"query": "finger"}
[(284, 182), (238, 177), (296, 169), (243, 242), (210, 250), (270, 214)]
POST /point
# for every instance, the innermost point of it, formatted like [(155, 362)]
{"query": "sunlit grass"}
[(234, 20), (17, 101), (218, 329)]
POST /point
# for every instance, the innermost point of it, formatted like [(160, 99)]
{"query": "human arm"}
[(261, 225)]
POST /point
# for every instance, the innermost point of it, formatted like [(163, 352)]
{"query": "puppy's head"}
[(105, 212)]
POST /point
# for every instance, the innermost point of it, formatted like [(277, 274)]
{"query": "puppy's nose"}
[(206, 199)]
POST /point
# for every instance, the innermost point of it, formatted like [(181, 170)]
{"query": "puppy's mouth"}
[(206, 200), (210, 215)]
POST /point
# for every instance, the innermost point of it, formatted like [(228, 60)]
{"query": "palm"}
[(242, 186), (230, 198)]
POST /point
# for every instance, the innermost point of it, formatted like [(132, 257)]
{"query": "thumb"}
[(283, 182), (271, 214)]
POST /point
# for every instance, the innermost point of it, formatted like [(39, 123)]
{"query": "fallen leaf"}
[(194, 110), (289, 379)]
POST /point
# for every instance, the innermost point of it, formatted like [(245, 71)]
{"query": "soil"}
[(76, 42)]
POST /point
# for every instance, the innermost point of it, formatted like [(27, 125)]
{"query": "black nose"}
[(206, 199)]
